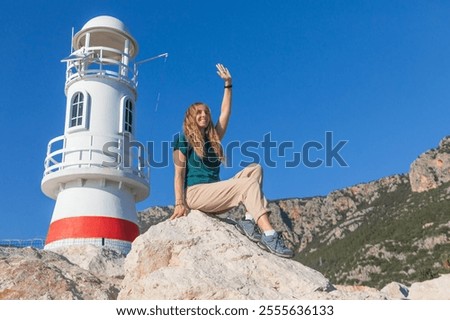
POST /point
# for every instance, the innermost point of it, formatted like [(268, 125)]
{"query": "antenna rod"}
[(71, 41), (152, 58)]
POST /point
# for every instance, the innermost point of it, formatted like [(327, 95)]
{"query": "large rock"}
[(37, 274), (432, 168), (200, 257), (98, 260), (103, 262), (435, 289), (395, 290)]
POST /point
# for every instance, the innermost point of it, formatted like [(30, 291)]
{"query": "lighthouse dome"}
[(105, 31), (106, 21)]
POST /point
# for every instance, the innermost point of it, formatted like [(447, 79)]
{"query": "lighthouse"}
[(93, 171)]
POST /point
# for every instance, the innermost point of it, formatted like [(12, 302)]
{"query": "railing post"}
[(124, 61), (46, 163), (63, 155), (101, 61)]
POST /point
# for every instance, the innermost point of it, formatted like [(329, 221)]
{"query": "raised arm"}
[(225, 110)]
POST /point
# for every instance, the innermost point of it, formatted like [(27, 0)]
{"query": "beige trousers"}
[(218, 197)]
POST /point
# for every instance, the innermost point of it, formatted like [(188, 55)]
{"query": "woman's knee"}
[(255, 169), (255, 165)]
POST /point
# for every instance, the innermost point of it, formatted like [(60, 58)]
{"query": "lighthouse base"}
[(95, 211), (121, 246)]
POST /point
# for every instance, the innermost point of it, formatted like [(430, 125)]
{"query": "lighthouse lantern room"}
[(91, 171)]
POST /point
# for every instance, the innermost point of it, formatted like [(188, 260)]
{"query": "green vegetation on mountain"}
[(403, 237)]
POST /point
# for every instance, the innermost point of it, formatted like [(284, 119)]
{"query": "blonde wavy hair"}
[(194, 135)]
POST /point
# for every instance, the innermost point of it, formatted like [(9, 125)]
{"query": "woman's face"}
[(202, 116)]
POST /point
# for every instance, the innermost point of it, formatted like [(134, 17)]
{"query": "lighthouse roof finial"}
[(105, 31)]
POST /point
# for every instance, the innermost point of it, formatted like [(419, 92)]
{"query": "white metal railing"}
[(56, 158), (98, 62), (23, 243)]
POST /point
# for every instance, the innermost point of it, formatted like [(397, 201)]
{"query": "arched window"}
[(126, 115), (76, 113)]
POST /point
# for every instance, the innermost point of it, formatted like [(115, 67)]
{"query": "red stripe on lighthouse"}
[(92, 227)]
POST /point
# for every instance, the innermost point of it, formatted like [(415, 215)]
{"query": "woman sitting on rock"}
[(198, 155)]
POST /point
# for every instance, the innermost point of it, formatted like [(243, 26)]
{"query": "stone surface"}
[(98, 260), (103, 262), (201, 257), (33, 274), (395, 291), (435, 289), (357, 293)]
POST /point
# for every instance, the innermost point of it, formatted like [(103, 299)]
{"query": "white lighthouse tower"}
[(92, 171)]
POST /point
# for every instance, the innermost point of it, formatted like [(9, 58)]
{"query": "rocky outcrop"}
[(435, 289), (200, 257), (33, 274), (104, 263), (396, 291), (432, 168)]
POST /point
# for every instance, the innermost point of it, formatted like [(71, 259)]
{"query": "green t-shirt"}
[(198, 170)]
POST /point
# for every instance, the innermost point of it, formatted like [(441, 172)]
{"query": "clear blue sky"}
[(375, 73)]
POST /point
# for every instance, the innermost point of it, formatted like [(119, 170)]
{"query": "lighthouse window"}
[(129, 116), (126, 115), (76, 117)]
